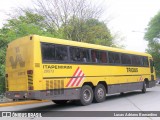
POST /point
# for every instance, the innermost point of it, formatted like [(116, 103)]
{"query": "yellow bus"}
[(40, 67)]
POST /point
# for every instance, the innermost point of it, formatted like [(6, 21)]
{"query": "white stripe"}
[(73, 79), (81, 81), (78, 79)]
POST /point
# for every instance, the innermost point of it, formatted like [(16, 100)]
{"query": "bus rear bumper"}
[(60, 94)]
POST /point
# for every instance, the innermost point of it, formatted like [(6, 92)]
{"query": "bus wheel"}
[(60, 102), (144, 87), (121, 93), (86, 95), (99, 93)]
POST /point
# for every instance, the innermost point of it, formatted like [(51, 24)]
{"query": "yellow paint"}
[(30, 52)]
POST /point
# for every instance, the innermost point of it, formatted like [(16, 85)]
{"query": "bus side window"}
[(103, 57), (61, 53), (136, 60), (73, 54), (114, 57), (94, 55), (145, 61), (48, 52), (99, 56), (126, 59), (85, 55), (79, 54), (53, 52)]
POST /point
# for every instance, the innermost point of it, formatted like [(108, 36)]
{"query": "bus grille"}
[(57, 85)]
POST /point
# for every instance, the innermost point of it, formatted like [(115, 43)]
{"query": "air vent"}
[(56, 85)]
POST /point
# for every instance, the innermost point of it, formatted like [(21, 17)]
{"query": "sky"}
[(128, 18)]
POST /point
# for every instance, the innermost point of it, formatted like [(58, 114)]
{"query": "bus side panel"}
[(75, 75)]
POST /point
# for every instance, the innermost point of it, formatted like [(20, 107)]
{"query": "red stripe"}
[(72, 76), (76, 78), (80, 80)]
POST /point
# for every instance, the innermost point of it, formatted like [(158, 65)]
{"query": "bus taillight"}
[(30, 88), (30, 79), (29, 71)]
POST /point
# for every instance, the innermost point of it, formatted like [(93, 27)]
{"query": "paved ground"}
[(134, 101)]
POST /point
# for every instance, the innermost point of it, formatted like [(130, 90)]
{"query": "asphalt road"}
[(133, 101)]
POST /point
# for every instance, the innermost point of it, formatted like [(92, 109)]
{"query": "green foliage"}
[(2, 85), (153, 30), (153, 37), (90, 31), (28, 24)]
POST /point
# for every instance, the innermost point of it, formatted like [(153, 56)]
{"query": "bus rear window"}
[(52, 52)]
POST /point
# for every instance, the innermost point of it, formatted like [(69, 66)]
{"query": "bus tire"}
[(60, 102), (99, 93), (144, 87), (121, 93), (86, 95)]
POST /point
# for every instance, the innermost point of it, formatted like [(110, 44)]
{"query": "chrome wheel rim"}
[(100, 93), (87, 95)]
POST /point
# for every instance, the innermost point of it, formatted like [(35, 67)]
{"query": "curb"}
[(22, 103)]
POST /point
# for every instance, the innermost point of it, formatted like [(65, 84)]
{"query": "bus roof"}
[(85, 45)]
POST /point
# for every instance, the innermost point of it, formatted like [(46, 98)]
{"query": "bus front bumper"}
[(60, 94)]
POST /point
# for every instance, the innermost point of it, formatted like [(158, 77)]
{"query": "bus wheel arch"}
[(88, 83), (105, 85)]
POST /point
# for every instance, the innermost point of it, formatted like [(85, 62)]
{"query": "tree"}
[(66, 17), (58, 12), (76, 20), (90, 31), (153, 37)]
